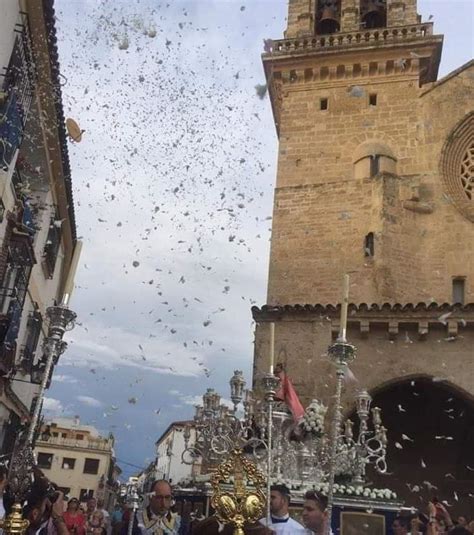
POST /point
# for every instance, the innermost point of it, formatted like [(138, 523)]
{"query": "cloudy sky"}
[(173, 192)]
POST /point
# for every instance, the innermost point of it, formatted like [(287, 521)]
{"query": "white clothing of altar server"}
[(284, 525)]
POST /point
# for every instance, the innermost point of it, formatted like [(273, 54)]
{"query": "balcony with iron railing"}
[(376, 36), (13, 287), (90, 443), (20, 187), (16, 93)]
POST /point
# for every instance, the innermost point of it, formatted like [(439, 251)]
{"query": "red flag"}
[(287, 393)]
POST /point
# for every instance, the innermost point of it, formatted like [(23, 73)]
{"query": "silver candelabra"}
[(301, 454), (219, 429)]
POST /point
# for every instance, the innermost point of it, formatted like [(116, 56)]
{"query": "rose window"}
[(467, 172), (457, 166)]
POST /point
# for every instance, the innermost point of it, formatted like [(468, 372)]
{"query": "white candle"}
[(344, 305), (272, 347)]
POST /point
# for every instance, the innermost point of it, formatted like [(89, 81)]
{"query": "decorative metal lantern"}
[(363, 402), (270, 384), (207, 400), (215, 401), (237, 385), (341, 353), (348, 430), (376, 416)]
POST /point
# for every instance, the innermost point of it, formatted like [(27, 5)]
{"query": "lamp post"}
[(237, 385), (61, 319)]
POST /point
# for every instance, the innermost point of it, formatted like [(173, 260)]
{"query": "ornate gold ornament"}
[(237, 491), (14, 524)]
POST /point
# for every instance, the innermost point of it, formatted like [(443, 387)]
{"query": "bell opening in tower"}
[(373, 14), (328, 17)]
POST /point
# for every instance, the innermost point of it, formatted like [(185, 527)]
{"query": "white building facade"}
[(37, 223), (77, 459), (169, 450)]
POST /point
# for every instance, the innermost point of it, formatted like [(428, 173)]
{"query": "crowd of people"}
[(91, 520), (437, 521), (49, 514)]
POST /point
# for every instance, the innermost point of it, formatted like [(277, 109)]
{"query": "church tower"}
[(376, 179)]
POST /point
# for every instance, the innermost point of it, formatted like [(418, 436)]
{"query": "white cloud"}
[(112, 346), (64, 378), (53, 407), (89, 401), (192, 400), (197, 400)]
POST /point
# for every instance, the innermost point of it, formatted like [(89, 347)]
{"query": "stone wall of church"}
[(302, 340), (375, 179), (323, 210)]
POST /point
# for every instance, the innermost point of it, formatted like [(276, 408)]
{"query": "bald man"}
[(157, 518)]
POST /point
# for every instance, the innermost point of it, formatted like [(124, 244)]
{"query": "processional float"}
[(302, 455)]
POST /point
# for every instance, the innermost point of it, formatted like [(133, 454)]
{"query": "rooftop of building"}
[(73, 424), (173, 425), (69, 433)]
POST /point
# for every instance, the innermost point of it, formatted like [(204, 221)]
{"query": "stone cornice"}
[(424, 316), (379, 37), (350, 57)]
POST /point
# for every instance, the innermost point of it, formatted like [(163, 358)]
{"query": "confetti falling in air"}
[(173, 188), (177, 154)]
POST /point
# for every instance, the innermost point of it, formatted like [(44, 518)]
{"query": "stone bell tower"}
[(376, 179)]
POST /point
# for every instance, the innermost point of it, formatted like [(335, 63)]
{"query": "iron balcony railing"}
[(16, 93), (102, 444)]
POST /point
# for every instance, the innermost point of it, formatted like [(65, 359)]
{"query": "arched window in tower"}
[(374, 165), (373, 13), (328, 16), (372, 159), (369, 245)]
